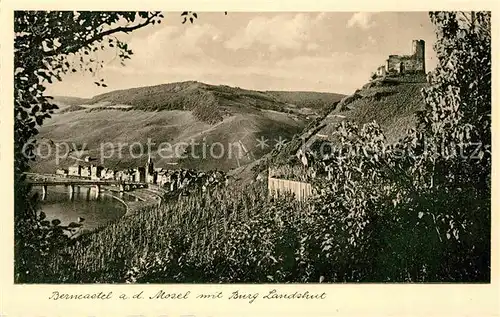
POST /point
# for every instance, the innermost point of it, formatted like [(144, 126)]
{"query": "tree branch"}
[(100, 36)]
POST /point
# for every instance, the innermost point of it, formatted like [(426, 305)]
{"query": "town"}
[(169, 179)]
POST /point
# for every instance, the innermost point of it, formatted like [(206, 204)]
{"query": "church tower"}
[(149, 170)]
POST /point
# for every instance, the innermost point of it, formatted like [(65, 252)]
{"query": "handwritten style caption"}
[(249, 297)]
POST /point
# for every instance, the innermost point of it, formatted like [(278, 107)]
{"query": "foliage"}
[(48, 45), (422, 205)]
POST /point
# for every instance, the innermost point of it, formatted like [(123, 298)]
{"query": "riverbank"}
[(145, 198)]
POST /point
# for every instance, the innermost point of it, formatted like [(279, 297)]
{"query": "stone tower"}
[(418, 52)]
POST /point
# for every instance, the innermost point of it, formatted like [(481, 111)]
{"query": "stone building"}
[(85, 171), (104, 171), (62, 172), (125, 175), (74, 170), (405, 64), (119, 175), (140, 174), (381, 71), (95, 171), (163, 178), (108, 173)]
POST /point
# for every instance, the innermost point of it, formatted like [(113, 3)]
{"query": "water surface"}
[(97, 209)]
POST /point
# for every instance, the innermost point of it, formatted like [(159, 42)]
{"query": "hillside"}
[(307, 99), (189, 116), (69, 101), (209, 103), (391, 102)]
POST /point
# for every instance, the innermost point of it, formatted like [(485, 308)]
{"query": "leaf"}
[(74, 225), (56, 222), (39, 120)]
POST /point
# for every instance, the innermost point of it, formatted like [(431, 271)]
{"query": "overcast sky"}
[(329, 52)]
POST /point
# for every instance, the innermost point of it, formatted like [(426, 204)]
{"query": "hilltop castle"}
[(403, 64)]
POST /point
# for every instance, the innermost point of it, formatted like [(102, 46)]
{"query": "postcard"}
[(249, 159)]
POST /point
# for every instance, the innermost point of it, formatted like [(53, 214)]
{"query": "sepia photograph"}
[(227, 147)]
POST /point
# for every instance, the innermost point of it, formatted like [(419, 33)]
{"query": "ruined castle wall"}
[(412, 64), (381, 71), (400, 64), (393, 64), (404, 63)]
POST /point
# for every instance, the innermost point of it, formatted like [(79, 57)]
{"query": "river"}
[(97, 210)]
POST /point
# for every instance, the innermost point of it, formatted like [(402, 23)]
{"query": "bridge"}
[(46, 180)]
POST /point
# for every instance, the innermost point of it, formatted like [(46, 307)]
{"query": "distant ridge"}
[(70, 101), (218, 100)]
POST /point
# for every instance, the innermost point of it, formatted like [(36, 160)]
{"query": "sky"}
[(310, 51)]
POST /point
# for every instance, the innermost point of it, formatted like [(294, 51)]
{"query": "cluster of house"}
[(172, 179), (138, 174)]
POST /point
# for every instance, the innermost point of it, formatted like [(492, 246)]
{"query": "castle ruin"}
[(404, 64)]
